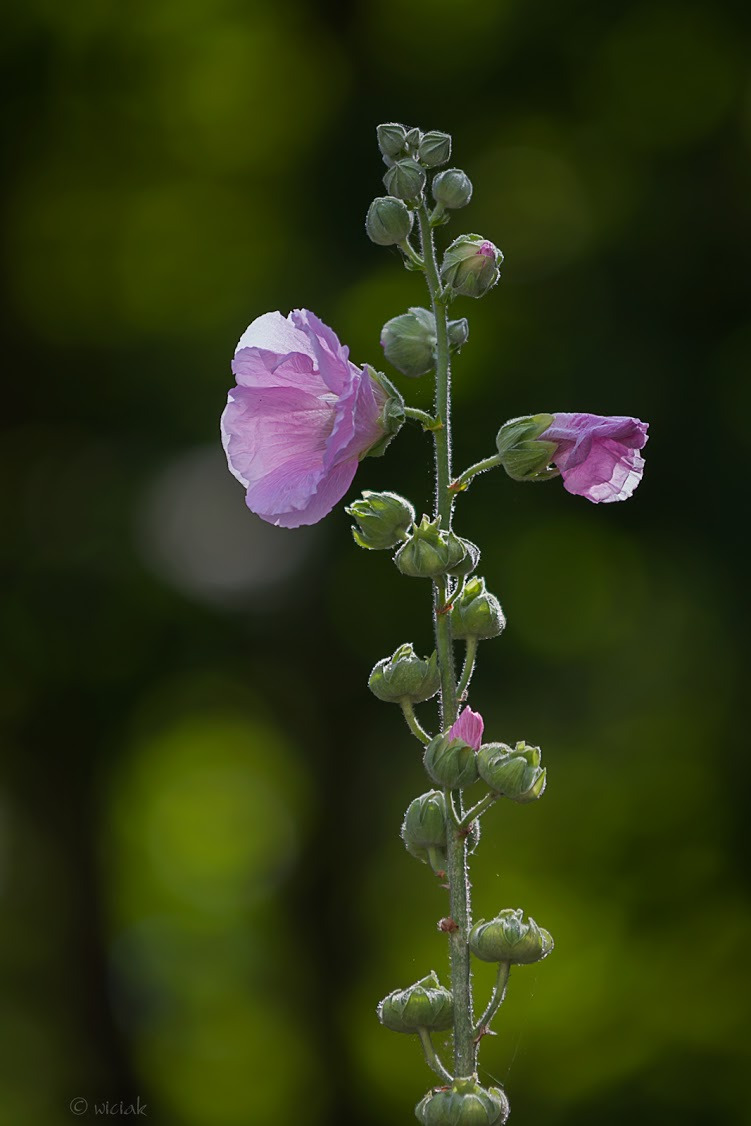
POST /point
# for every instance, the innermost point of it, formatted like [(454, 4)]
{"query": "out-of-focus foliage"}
[(204, 891)]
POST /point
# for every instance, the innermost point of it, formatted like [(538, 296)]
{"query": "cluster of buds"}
[(470, 266), (464, 1103)]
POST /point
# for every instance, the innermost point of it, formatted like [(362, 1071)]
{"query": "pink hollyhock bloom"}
[(300, 418), (598, 456), (469, 727)]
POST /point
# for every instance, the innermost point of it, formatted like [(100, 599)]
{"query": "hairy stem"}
[(431, 1056), (462, 481), (413, 723), (469, 667), (496, 1000), (477, 810), (456, 850)]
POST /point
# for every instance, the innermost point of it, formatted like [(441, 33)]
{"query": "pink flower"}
[(598, 456), (300, 418), (469, 727)]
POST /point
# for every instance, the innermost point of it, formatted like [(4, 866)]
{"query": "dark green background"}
[(204, 892)]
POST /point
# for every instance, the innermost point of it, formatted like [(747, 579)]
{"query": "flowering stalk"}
[(296, 428), (456, 842)]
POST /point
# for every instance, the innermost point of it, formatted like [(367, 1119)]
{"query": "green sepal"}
[(426, 1004), (509, 937), (464, 1103), (515, 774)]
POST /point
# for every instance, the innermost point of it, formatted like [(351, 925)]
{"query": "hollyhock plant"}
[(300, 418), (598, 456), (295, 428)]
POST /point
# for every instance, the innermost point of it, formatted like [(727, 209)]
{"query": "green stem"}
[(456, 847), (431, 1056), (496, 1000), (413, 723), (461, 482), (412, 254), (478, 810), (469, 667), (427, 420)]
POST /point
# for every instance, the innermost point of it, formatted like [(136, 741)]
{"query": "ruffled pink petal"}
[(266, 428), (469, 726), (255, 367), (610, 473), (332, 357), (275, 333), (328, 493)]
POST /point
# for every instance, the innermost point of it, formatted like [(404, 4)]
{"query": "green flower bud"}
[(452, 188), (405, 179), (412, 140), (470, 265), (426, 1004), (391, 139), (469, 562), (405, 676), (409, 341), (513, 774), (476, 613), (388, 221), (509, 938), (435, 149), (450, 762), (429, 552), (424, 828), (523, 456), (383, 519), (464, 1103), (458, 334)]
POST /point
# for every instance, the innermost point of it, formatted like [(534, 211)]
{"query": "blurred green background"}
[(204, 892)]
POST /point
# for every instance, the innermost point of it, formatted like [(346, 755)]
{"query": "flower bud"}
[(470, 265), (388, 221), (464, 1103), (412, 140), (468, 563), (424, 826), (426, 1004), (513, 774), (405, 676), (450, 762), (405, 179), (508, 938), (452, 188), (435, 149), (429, 552), (458, 334), (391, 139), (383, 519), (522, 456), (476, 613), (409, 341)]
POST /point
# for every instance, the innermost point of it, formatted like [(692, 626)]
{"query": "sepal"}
[(452, 189), (450, 762), (409, 342), (429, 551), (388, 221), (405, 179), (424, 828), (522, 454), (476, 613)]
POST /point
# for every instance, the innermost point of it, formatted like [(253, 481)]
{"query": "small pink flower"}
[(300, 418), (598, 456), (469, 726)]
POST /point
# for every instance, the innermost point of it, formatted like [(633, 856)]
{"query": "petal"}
[(332, 357), (265, 428), (327, 494), (576, 432), (610, 473), (255, 367), (469, 727), (275, 333)]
